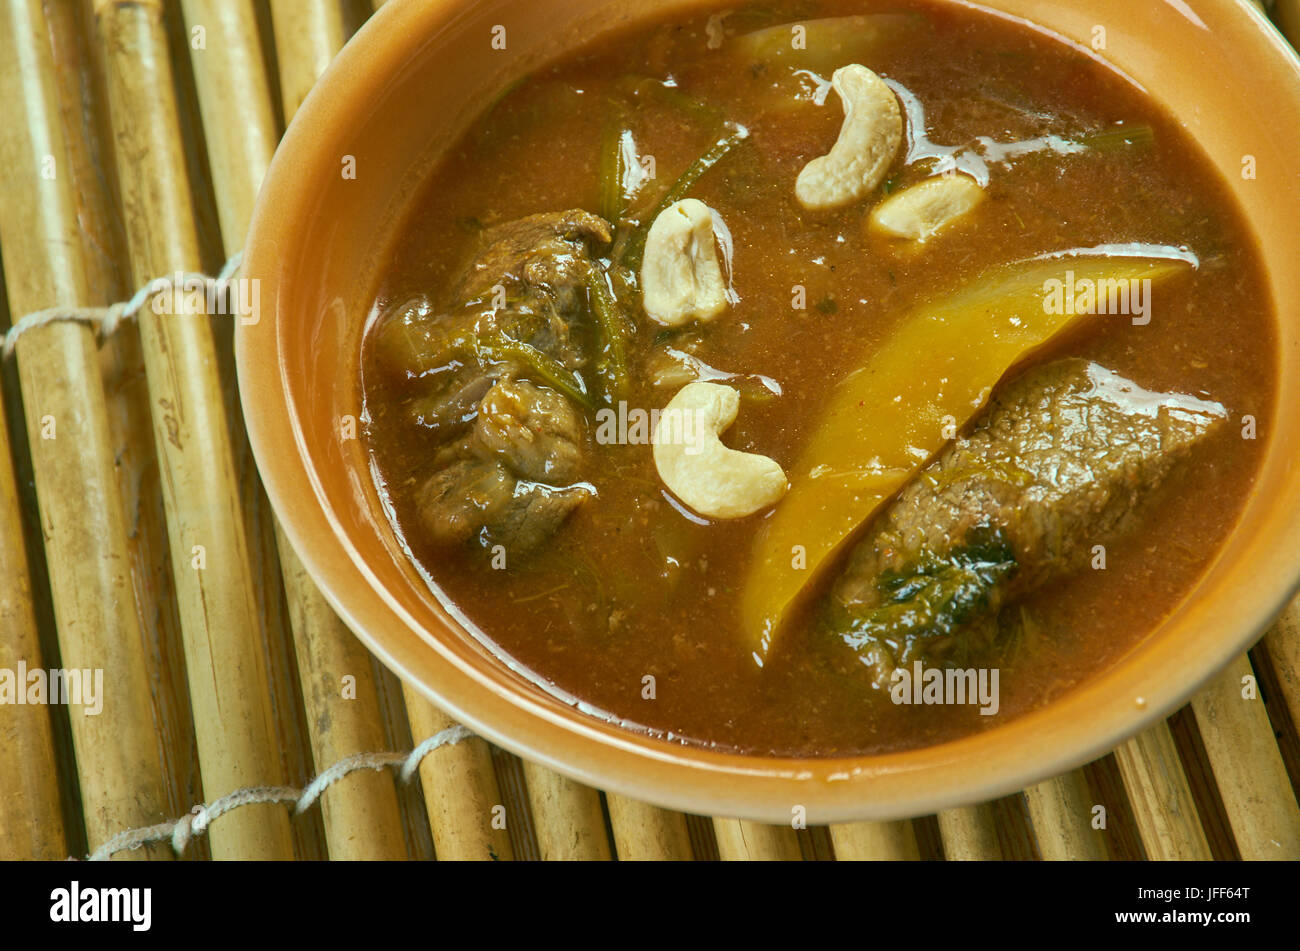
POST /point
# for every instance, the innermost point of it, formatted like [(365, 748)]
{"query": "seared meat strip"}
[(1057, 464)]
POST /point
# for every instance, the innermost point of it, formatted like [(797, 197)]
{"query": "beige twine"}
[(106, 320), (197, 821)]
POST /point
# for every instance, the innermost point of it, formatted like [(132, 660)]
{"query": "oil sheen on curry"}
[(734, 374)]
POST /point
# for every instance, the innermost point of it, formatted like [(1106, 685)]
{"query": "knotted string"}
[(197, 821), (106, 320)]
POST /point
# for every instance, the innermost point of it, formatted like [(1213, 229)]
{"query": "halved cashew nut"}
[(715, 481), (680, 276), (927, 207), (869, 139)]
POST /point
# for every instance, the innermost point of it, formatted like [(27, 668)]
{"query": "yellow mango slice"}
[(826, 44), (886, 419)]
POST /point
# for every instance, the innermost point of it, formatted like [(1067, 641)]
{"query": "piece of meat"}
[(477, 499), (535, 430), (500, 482), (496, 483), (447, 412), (459, 499), (550, 250), (1057, 464), (534, 513), (410, 342), (540, 262)]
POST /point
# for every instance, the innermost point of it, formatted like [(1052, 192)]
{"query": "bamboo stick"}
[(509, 770), (1061, 811), (1162, 801), (235, 103), (307, 35), (875, 841), (230, 694), (288, 718), (741, 841), (361, 811), (459, 783), (84, 110), (1200, 779), (287, 715), (568, 817), (1282, 645), (83, 107), (31, 823), (1247, 765), (397, 736), (704, 844), (466, 812), (643, 832), (120, 772), (1122, 838), (970, 834)]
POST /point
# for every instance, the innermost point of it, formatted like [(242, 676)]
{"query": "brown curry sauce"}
[(630, 587)]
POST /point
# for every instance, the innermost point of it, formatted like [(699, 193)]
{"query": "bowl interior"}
[(403, 90)]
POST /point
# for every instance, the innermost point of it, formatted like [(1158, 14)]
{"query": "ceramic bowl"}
[(403, 89)]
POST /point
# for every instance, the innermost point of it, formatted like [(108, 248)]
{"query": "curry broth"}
[(631, 585)]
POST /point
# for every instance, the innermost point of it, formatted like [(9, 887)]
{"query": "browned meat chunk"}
[(540, 262), (535, 431), (534, 513), (447, 412), (457, 501), (492, 378), (474, 499), (550, 251), (1058, 463)]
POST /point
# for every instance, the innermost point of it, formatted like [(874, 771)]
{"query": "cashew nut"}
[(715, 481), (680, 276), (927, 207), (868, 142)]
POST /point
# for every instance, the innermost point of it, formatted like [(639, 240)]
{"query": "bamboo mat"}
[(134, 136)]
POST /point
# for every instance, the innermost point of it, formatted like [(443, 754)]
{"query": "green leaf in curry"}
[(616, 147), (630, 254), (929, 600), (612, 332), (536, 364), (1120, 138)]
